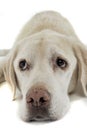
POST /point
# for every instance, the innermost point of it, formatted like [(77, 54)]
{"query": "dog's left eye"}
[(61, 63), (23, 65)]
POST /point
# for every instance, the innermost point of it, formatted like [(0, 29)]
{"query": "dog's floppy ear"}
[(2, 62), (80, 51), (9, 72)]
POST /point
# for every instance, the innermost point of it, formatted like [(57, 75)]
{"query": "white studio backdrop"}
[(13, 15)]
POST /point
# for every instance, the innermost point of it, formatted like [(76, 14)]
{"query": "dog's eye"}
[(23, 65), (61, 63)]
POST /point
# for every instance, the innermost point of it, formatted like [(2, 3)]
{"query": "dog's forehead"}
[(47, 44)]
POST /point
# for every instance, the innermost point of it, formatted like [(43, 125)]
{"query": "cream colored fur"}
[(46, 36)]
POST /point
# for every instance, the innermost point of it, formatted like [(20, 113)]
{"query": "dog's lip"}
[(40, 118)]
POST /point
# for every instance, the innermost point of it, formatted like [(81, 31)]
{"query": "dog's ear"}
[(9, 72), (2, 62), (80, 52)]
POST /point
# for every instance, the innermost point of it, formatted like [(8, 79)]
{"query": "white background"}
[(13, 15)]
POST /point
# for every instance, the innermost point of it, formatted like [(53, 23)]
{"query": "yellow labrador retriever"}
[(46, 63)]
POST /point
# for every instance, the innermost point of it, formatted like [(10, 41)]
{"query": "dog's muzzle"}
[(38, 102)]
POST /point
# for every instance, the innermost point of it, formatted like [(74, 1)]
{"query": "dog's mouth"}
[(40, 118), (40, 115)]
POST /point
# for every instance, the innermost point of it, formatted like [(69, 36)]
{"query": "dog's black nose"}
[(38, 98)]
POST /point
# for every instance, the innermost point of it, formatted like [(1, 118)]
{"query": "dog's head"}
[(45, 67)]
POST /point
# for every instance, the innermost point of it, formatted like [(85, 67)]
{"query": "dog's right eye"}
[(23, 65)]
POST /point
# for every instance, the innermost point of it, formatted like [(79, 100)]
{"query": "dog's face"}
[(44, 65), (42, 68)]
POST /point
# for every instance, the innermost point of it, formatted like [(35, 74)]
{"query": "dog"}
[(46, 63)]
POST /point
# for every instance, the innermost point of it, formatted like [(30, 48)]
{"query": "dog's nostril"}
[(31, 100), (42, 100)]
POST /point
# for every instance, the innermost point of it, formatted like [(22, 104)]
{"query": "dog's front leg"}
[(3, 53)]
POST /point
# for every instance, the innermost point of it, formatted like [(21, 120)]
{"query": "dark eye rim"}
[(27, 66), (64, 61)]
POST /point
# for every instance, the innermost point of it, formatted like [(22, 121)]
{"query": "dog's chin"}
[(40, 118)]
